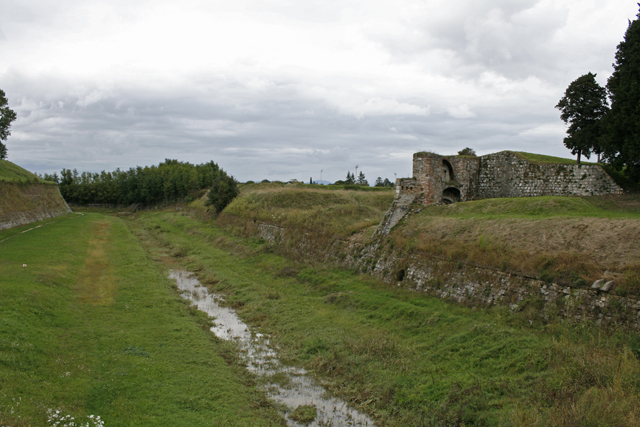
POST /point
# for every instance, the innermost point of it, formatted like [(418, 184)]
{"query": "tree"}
[(350, 179), (362, 180), (467, 152), (583, 105), (7, 115), (623, 121), (379, 182), (387, 183), (222, 192)]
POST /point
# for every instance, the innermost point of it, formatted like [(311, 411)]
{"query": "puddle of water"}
[(261, 359)]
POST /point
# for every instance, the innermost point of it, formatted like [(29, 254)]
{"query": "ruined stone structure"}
[(450, 179)]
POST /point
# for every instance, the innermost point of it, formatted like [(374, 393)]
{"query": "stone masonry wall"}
[(24, 204), (435, 174), (597, 303), (470, 285), (447, 179), (504, 174)]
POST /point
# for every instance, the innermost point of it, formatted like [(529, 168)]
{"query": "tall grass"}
[(339, 213)]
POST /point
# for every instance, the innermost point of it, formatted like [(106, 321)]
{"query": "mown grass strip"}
[(91, 326)]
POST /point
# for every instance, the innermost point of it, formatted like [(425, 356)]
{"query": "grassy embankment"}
[(405, 358), (10, 172), (574, 240), (92, 327), (315, 209)]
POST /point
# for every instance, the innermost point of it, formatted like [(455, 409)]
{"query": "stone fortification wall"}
[(504, 174), (445, 179), (407, 189), (449, 179), (597, 303), (26, 203)]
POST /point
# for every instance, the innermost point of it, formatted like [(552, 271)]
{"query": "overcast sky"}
[(282, 89)]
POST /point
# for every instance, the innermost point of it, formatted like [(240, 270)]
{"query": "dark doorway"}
[(450, 195), (447, 171)]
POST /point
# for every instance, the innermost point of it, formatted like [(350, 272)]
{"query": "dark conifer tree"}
[(623, 121)]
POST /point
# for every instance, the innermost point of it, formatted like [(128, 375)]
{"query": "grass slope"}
[(91, 327), (10, 172), (407, 358), (574, 240), (336, 212)]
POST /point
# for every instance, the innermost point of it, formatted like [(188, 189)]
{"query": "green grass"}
[(534, 158), (92, 326), (541, 158), (337, 212), (540, 208), (248, 187), (10, 172), (407, 358)]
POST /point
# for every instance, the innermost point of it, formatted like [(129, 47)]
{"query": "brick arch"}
[(451, 195), (447, 171)]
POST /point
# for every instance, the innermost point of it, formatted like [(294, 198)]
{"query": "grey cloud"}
[(513, 39), (253, 139), (277, 125)]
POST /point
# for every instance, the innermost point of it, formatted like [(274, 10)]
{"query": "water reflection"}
[(293, 387)]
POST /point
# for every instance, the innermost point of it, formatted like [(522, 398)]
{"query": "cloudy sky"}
[(282, 89)]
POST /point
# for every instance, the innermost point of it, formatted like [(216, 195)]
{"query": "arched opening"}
[(447, 171), (450, 195)]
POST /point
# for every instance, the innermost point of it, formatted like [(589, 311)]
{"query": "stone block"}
[(597, 284), (607, 286)]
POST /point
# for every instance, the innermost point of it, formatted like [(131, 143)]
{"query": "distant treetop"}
[(467, 152)]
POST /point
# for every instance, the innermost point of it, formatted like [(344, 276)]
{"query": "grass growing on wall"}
[(406, 358), (91, 327), (542, 159)]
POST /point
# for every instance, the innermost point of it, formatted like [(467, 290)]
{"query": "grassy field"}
[(407, 358), (91, 326)]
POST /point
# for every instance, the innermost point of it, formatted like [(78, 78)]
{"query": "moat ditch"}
[(290, 387)]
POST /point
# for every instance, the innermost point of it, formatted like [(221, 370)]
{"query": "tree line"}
[(362, 180), (168, 182), (606, 121)]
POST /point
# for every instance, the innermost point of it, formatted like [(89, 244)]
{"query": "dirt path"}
[(96, 283)]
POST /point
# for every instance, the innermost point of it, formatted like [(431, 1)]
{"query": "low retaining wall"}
[(466, 284), (26, 203), (477, 286)]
